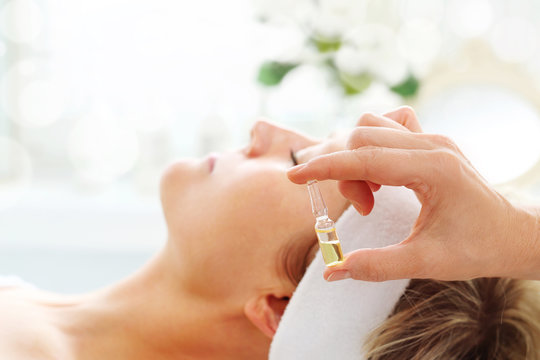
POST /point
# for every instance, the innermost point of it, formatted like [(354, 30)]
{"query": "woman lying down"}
[(240, 237)]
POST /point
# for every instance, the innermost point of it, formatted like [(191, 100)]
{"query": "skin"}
[(465, 229), (217, 290)]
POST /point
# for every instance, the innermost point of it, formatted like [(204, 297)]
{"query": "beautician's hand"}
[(465, 228)]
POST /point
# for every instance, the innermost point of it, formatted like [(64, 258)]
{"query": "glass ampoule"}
[(324, 227)]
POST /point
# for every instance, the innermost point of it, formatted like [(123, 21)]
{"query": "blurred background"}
[(96, 97)]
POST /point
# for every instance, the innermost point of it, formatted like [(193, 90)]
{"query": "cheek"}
[(267, 200), (257, 218), (236, 219)]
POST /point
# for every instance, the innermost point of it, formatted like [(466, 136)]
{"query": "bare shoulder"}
[(24, 330)]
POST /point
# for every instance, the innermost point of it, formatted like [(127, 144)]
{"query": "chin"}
[(183, 170), (179, 179), (178, 176)]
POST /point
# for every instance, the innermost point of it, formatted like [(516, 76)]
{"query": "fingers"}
[(374, 187), (400, 261), (402, 118), (370, 119), (406, 117), (391, 138), (359, 193), (385, 166)]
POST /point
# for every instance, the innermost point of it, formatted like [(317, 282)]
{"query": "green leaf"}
[(272, 72), (409, 87), (326, 45), (355, 84)]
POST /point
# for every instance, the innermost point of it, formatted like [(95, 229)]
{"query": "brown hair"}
[(294, 259), (487, 318)]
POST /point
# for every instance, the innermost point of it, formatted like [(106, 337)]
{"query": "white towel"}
[(331, 320)]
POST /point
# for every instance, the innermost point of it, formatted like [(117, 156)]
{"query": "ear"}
[(265, 312)]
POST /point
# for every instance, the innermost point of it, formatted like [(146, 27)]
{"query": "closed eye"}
[(293, 158)]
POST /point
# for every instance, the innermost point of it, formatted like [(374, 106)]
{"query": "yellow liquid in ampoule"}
[(330, 246)]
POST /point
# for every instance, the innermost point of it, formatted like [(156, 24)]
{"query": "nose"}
[(266, 138)]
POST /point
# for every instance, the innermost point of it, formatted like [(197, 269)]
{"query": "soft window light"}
[(40, 103), (469, 18), (514, 39), (21, 21), (15, 171), (102, 148), (497, 130)]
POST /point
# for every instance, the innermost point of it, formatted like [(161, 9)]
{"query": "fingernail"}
[(339, 275)]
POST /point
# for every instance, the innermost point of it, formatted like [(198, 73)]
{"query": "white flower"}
[(298, 11), (372, 48), (332, 18), (306, 94), (377, 98), (419, 42)]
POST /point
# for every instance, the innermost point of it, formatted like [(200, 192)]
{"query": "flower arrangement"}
[(337, 37)]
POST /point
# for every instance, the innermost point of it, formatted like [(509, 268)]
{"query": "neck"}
[(154, 315)]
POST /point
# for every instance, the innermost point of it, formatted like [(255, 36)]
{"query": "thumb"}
[(400, 261)]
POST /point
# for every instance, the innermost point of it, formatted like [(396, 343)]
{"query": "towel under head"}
[(331, 320)]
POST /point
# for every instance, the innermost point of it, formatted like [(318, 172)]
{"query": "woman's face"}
[(232, 217)]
